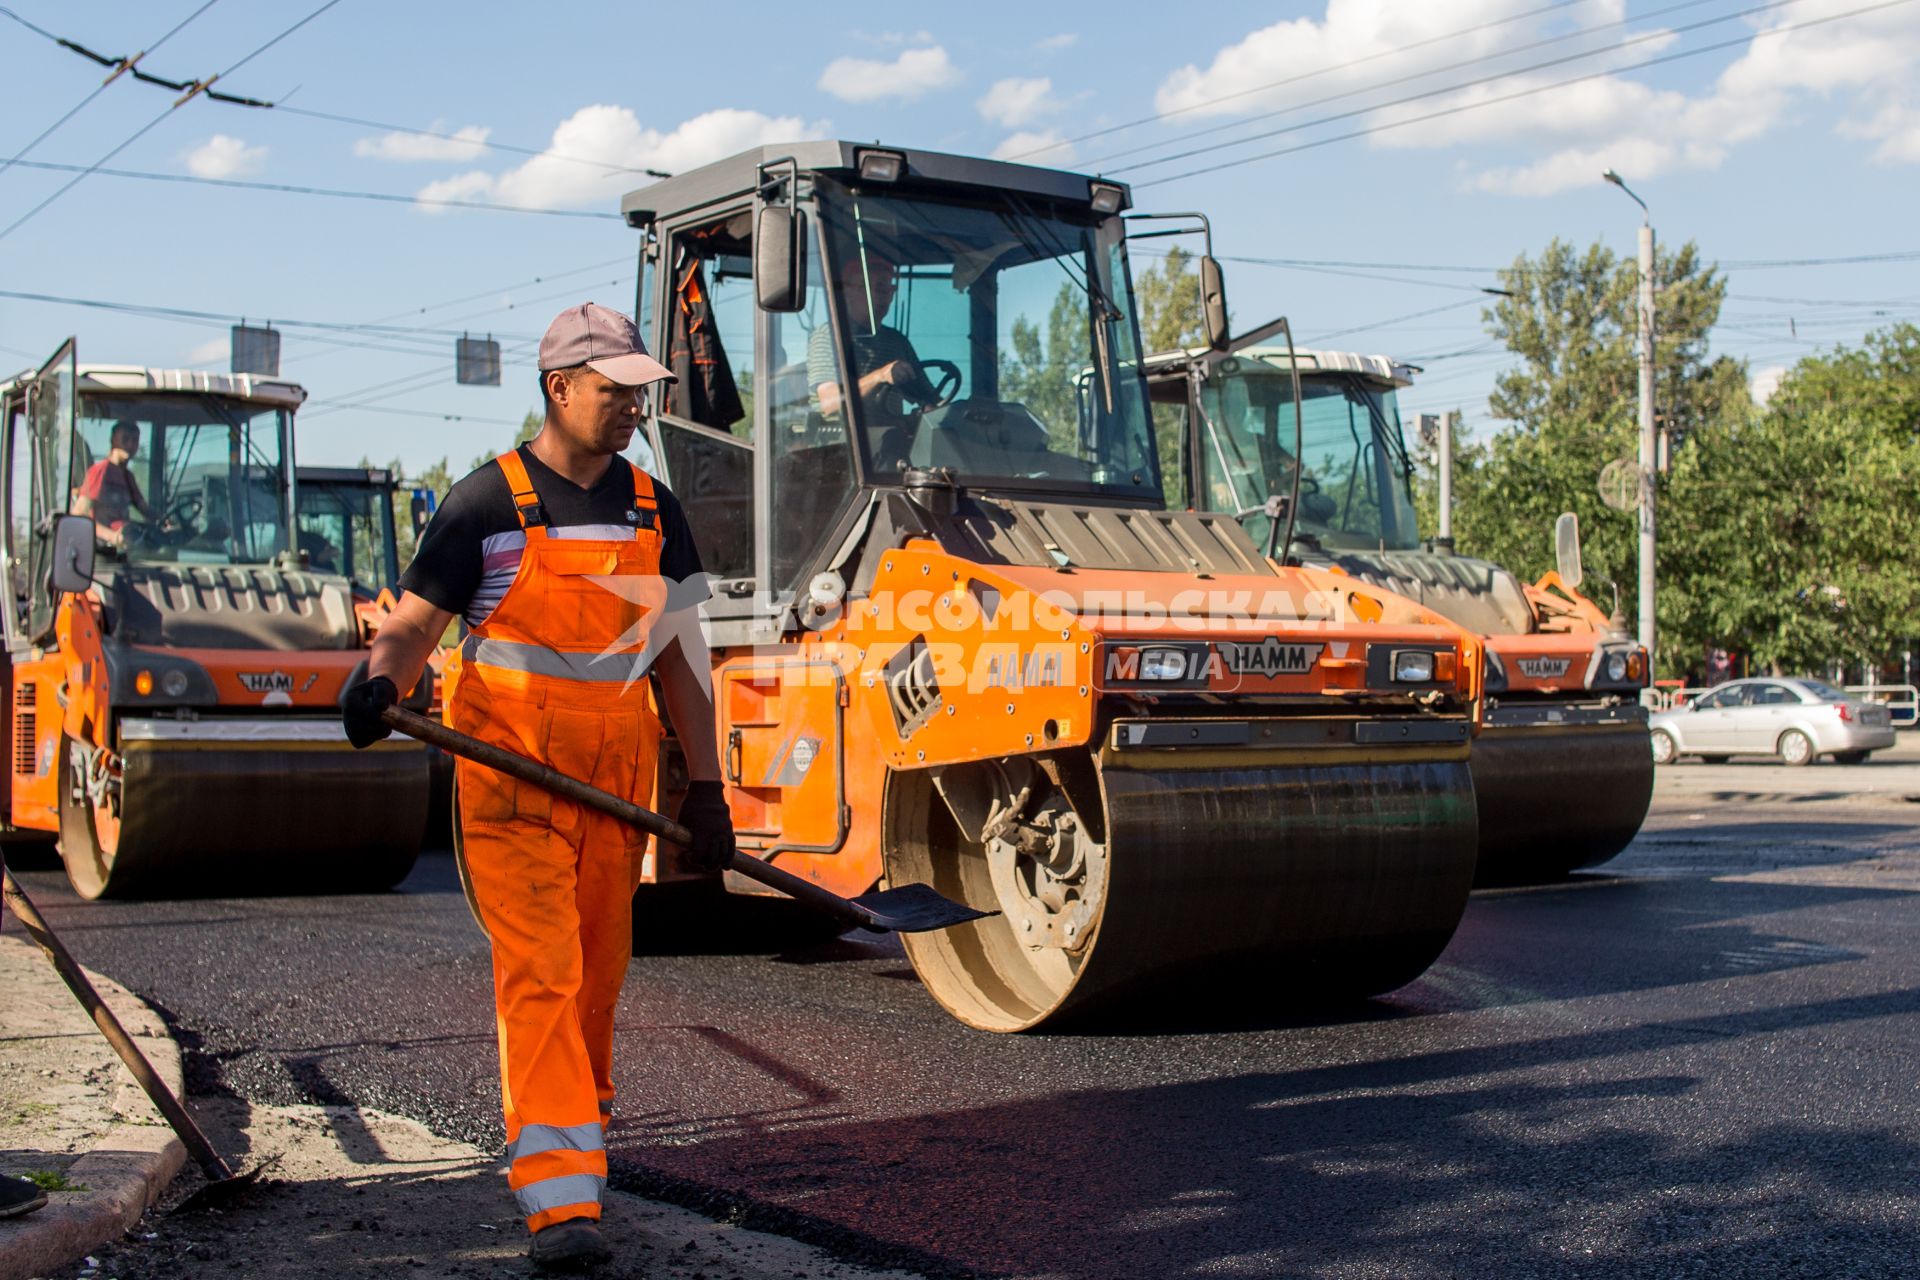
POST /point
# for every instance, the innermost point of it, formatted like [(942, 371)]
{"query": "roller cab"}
[(173, 699), (1563, 772), (958, 637)]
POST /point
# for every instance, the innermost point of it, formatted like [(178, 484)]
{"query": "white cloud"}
[(225, 157), (1066, 39), (1560, 138), (615, 137), (1896, 127), (212, 351), (914, 74), (461, 144), (1023, 145), (1765, 382), (1016, 102)]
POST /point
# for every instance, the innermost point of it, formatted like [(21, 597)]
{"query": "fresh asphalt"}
[(1702, 1059)]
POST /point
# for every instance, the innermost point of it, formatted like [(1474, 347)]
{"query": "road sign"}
[(1620, 484)]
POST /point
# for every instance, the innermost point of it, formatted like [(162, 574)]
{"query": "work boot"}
[(18, 1196), (573, 1245)]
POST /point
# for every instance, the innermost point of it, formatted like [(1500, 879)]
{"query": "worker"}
[(567, 563), (886, 369), (110, 489)]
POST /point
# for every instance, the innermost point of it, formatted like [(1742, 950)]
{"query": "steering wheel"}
[(926, 391), (184, 511)]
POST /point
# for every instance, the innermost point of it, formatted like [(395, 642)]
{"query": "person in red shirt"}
[(110, 490)]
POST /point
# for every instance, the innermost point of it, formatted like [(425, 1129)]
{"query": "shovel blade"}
[(917, 908), (221, 1193)]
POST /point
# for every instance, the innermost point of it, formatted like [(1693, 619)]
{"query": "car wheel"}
[(1851, 757), (1796, 748), (1664, 752)]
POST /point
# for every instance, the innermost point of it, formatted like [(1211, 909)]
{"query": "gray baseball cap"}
[(603, 340)]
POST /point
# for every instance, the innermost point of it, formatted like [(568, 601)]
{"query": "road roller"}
[(957, 637), (177, 639), (1563, 771)]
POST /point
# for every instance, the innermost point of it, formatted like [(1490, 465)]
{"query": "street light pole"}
[(1649, 458)]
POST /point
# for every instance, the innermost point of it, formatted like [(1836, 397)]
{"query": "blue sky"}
[(1787, 145)]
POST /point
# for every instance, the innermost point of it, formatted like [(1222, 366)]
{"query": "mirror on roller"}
[(1213, 299), (1566, 549), (72, 569), (780, 258)]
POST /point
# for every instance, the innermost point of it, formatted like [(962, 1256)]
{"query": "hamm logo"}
[(1544, 668), (266, 682), (1269, 657)]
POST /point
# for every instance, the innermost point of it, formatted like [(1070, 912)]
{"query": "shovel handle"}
[(76, 979), (515, 765)]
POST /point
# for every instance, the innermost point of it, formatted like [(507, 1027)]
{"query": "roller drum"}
[(229, 820), (1297, 884), (1555, 799)]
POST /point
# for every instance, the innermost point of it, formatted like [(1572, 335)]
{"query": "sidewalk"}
[(70, 1113)]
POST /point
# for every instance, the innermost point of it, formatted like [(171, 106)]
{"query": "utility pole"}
[(1446, 481), (1649, 457)]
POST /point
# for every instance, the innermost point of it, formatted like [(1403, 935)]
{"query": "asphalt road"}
[(1699, 1060)]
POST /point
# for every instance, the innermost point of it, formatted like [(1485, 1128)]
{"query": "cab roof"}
[(134, 377), (737, 174), (1379, 368)]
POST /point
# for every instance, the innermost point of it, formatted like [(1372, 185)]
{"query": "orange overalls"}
[(553, 673)]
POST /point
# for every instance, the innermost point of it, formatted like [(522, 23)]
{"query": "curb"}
[(124, 1173)]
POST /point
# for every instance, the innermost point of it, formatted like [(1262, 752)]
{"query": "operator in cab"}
[(576, 575), (886, 369), (110, 490)]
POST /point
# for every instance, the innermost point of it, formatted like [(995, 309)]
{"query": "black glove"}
[(360, 708), (705, 815)]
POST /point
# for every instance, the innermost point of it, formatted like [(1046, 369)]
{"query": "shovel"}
[(910, 908), (222, 1182)]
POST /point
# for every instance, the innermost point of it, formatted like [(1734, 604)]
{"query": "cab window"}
[(706, 432)]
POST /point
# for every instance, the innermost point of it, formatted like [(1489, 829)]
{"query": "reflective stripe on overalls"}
[(552, 673)]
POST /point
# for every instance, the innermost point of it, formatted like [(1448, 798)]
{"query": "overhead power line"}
[(1295, 79), (141, 132), (101, 87), (130, 65), (1463, 85), (385, 197), (1480, 60), (333, 326), (1319, 338), (1515, 96)]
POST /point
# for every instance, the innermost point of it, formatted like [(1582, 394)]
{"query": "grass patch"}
[(49, 1181)]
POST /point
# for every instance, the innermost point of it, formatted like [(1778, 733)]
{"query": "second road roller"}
[(176, 638), (957, 636), (1563, 772)]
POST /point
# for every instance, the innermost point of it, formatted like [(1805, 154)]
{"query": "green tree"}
[(1168, 296), (1879, 382), (1572, 400), (1171, 318), (1791, 534)]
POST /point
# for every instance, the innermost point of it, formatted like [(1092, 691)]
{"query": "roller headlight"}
[(1163, 664), (174, 683), (1616, 667), (1413, 666)]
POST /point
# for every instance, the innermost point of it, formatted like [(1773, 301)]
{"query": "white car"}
[(1798, 720)]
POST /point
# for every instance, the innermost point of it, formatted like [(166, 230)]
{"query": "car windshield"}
[(182, 478), (1353, 491), (995, 337), (345, 528), (1824, 691)]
